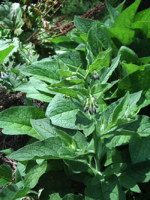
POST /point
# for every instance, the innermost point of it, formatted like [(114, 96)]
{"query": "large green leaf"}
[(123, 133), (114, 112), (144, 126), (139, 149), (51, 148), (122, 26), (45, 70), (140, 126), (72, 58), (114, 12), (119, 113), (16, 120), (64, 112), (44, 127), (74, 92), (98, 39), (118, 140), (142, 22), (83, 25), (102, 60), (124, 35), (127, 16), (35, 89), (127, 55), (130, 68)]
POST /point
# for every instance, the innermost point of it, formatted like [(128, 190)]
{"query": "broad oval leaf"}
[(64, 112), (45, 70), (51, 148), (16, 120)]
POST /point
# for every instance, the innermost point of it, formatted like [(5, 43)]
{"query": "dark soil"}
[(8, 100)]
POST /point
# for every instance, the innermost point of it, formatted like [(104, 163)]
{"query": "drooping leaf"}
[(118, 140), (112, 189), (51, 148), (64, 112), (74, 92), (8, 193), (16, 120), (44, 127), (127, 55), (77, 166), (72, 58), (35, 89), (45, 70)]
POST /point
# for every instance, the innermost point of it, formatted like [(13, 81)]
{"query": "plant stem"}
[(98, 150)]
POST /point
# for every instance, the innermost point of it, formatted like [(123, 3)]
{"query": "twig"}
[(65, 28)]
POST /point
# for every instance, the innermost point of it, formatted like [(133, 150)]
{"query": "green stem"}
[(98, 150)]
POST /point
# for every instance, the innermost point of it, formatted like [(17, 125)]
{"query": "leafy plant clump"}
[(77, 7), (92, 141)]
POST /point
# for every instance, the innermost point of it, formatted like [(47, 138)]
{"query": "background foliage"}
[(90, 140)]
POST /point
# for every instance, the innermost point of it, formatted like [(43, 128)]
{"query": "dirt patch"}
[(8, 100)]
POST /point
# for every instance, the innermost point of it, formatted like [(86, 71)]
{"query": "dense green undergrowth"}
[(92, 141)]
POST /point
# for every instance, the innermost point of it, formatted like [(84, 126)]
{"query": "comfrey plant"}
[(90, 143)]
